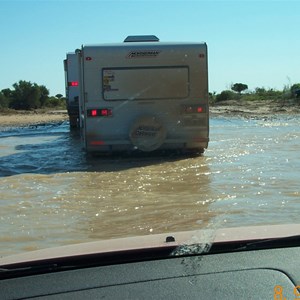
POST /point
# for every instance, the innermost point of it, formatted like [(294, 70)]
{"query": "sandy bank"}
[(25, 118), (254, 108), (227, 108)]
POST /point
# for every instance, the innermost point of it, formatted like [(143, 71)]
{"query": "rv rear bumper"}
[(127, 146)]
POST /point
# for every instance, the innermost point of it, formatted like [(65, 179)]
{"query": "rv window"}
[(145, 83)]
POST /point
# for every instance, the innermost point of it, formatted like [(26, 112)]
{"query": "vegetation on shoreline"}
[(31, 96), (28, 96), (239, 92)]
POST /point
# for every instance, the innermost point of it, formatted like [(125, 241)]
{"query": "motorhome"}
[(72, 88), (143, 94)]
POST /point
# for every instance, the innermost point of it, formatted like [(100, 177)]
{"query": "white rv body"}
[(72, 88), (144, 96)]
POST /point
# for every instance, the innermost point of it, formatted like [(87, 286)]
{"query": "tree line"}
[(239, 91), (26, 96)]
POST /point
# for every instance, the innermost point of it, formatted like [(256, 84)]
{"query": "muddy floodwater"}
[(52, 194)]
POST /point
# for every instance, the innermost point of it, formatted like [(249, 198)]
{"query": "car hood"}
[(175, 243)]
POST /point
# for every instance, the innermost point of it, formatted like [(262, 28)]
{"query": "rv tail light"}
[(99, 112), (94, 113), (199, 109), (96, 143), (106, 112), (193, 109), (189, 109), (73, 83)]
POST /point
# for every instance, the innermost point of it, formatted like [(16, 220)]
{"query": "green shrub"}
[(227, 95), (295, 90), (4, 101)]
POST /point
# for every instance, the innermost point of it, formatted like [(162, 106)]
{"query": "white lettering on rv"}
[(145, 53), (145, 130)]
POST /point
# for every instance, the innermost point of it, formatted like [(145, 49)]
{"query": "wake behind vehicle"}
[(145, 95)]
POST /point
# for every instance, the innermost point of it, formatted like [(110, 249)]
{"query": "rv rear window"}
[(145, 83)]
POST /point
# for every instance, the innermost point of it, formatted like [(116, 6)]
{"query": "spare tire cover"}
[(147, 133)]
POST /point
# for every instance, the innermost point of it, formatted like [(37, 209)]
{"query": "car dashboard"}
[(266, 273)]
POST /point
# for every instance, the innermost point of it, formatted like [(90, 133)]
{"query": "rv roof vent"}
[(141, 38)]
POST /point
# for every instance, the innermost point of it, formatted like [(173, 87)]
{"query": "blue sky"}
[(253, 42)]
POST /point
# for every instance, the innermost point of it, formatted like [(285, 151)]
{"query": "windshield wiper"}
[(11, 271), (84, 261), (258, 244), (283, 242), (234, 246)]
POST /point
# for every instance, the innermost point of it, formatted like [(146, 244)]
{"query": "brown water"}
[(52, 194)]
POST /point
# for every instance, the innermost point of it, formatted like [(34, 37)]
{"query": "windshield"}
[(218, 148)]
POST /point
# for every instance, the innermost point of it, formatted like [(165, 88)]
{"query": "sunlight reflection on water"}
[(52, 194)]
